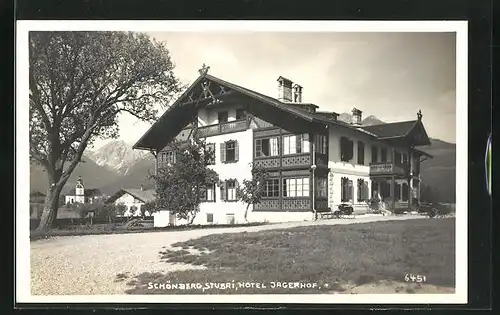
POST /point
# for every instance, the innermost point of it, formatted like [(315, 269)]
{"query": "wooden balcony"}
[(228, 127), (386, 168), (300, 160)]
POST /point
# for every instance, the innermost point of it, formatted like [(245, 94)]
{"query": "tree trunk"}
[(246, 212), (50, 206)]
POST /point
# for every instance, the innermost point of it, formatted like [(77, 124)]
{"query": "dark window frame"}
[(346, 149), (272, 190), (285, 188), (243, 113), (361, 153), (374, 154), (260, 147), (383, 154), (225, 120)]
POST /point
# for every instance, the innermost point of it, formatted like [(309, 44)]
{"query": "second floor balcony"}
[(226, 127), (387, 168)]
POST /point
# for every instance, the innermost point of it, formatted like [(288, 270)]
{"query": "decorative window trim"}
[(224, 190), (346, 190), (211, 147), (285, 188), (224, 151)]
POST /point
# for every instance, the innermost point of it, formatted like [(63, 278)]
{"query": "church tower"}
[(79, 191)]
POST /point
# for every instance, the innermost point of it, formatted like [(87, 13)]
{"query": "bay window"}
[(296, 187), (296, 143), (272, 188)]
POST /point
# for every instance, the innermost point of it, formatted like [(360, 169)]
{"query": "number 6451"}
[(409, 277)]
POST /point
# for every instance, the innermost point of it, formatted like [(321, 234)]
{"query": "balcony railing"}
[(386, 168), (227, 127)]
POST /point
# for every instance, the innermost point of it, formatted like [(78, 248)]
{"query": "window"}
[(398, 191), (210, 218), (374, 154), (229, 151), (320, 143), (240, 113), (169, 157), (296, 144), (362, 190), (267, 147), (346, 149), (272, 188), (405, 192), (346, 193), (207, 194), (415, 183), (397, 158), (321, 188), (228, 190), (404, 158), (296, 187), (361, 153), (383, 155), (222, 117), (211, 154)]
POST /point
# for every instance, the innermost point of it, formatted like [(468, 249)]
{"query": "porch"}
[(395, 192)]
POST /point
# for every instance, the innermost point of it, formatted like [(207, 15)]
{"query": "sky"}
[(389, 75)]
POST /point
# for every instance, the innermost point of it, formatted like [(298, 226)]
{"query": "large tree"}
[(181, 185), (79, 84)]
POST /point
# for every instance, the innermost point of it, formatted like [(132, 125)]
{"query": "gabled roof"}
[(143, 195), (184, 110), (390, 130), (403, 129)]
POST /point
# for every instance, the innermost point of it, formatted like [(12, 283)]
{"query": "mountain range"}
[(116, 165)]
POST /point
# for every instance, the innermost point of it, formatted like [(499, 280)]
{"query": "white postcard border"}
[(22, 265)]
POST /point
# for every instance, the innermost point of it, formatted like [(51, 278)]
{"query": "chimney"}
[(297, 93), (284, 89), (356, 116)]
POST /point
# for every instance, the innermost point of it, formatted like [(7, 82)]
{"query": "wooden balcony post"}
[(393, 192)]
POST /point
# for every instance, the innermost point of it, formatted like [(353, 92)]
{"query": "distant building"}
[(131, 198), (81, 195)]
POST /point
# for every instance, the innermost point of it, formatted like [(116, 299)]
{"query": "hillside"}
[(94, 176)]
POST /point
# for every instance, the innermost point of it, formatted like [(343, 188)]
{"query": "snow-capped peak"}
[(117, 155)]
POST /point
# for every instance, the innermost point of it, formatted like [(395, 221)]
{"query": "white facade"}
[(130, 201), (224, 211)]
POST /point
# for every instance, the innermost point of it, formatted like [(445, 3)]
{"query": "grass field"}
[(331, 256)]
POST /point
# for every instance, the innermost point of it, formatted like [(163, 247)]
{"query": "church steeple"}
[(79, 182), (79, 191)]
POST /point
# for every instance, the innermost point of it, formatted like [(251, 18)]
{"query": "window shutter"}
[(342, 149), (236, 151), (223, 152), (223, 191), (350, 190)]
